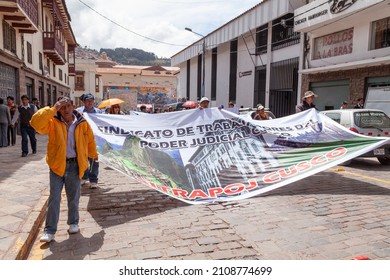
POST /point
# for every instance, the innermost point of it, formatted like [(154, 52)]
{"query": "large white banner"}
[(212, 155)]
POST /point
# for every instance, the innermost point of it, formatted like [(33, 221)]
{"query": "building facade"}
[(35, 41), (346, 50), (252, 59), (85, 78), (277, 50), (153, 86)]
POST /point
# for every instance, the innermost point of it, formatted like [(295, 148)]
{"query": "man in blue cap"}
[(90, 177)]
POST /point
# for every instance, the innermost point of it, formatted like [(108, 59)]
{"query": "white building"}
[(252, 59), (85, 79), (277, 50), (35, 41), (346, 50), (152, 86)]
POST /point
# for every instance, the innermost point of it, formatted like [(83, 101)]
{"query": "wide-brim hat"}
[(260, 107), (309, 94)]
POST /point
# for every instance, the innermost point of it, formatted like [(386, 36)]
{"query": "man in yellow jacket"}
[(70, 143)]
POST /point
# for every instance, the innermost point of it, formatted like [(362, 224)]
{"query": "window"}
[(261, 39), (97, 84), (214, 64), (54, 70), (371, 119), (29, 53), (48, 65), (334, 116), (200, 76), (60, 74), (9, 39), (79, 82), (233, 69), (188, 79), (380, 34), (40, 61), (283, 34)]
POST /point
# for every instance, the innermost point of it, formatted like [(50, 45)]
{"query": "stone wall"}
[(357, 78)]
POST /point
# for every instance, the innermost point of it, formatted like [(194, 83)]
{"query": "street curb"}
[(29, 231)]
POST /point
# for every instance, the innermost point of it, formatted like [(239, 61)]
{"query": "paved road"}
[(337, 214)]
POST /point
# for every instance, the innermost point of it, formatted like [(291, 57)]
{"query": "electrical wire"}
[(135, 33)]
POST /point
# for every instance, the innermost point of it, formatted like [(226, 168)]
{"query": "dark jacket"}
[(304, 106)]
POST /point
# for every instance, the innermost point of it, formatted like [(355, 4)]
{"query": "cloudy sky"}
[(156, 26)]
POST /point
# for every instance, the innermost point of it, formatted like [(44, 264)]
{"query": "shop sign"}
[(245, 73), (322, 11), (335, 44)]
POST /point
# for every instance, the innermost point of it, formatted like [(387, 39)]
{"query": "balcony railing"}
[(53, 47), (16, 12), (30, 7)]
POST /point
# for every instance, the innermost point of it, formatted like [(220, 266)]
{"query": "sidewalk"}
[(23, 194)]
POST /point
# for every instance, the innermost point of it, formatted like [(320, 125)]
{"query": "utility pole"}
[(203, 89)]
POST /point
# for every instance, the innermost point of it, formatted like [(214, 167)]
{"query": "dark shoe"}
[(24, 154), (34, 152)]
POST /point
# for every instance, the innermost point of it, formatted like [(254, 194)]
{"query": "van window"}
[(369, 119), (334, 116)]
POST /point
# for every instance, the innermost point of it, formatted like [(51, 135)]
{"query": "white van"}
[(369, 122)]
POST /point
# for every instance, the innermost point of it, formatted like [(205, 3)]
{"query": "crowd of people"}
[(72, 155)]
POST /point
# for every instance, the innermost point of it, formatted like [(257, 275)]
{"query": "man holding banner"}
[(90, 177)]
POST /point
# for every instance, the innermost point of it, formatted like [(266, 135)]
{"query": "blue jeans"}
[(92, 172), (72, 188), (27, 130)]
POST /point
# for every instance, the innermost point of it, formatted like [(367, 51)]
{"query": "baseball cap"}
[(204, 99), (87, 96)]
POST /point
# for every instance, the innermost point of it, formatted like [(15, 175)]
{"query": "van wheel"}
[(384, 160)]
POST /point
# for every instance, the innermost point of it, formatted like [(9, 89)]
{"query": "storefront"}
[(346, 51)]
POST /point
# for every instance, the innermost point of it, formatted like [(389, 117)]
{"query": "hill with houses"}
[(124, 56)]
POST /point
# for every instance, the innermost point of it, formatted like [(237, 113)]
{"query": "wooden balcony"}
[(21, 14), (53, 48)]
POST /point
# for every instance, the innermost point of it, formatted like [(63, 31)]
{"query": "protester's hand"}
[(61, 103)]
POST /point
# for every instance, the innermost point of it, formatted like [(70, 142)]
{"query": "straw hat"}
[(309, 94)]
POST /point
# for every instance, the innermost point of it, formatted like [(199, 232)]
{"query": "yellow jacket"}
[(48, 121)]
